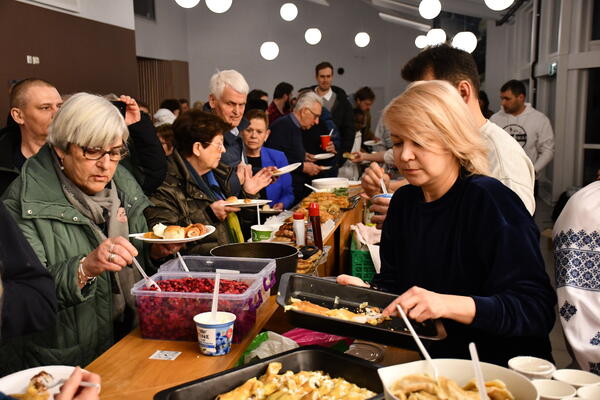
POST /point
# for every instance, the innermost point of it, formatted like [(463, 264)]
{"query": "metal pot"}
[(286, 257)]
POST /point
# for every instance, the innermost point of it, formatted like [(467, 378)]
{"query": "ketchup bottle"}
[(315, 219)]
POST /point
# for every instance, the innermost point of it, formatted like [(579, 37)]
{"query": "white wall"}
[(113, 12), (232, 40), (167, 37), (497, 69)]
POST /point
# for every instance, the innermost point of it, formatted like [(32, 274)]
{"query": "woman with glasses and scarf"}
[(76, 206), (198, 184)]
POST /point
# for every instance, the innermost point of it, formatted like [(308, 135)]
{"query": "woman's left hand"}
[(158, 251), (279, 206), (132, 110), (421, 304), (330, 148), (254, 184)]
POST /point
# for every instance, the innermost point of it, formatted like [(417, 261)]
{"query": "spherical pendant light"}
[(421, 41), (436, 36), (362, 39), (218, 6), (312, 36), (499, 5), (269, 50), (187, 3), (466, 41), (288, 11), (429, 9)]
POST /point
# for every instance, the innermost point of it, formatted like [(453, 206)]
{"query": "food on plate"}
[(194, 230), (349, 156), (309, 265), (267, 207), (286, 230), (420, 386), (301, 385), (329, 202), (171, 232), (159, 230), (247, 201), (366, 314), (37, 389), (174, 232), (232, 199)]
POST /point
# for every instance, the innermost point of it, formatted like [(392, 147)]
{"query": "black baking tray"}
[(324, 291), (309, 358), (353, 200)]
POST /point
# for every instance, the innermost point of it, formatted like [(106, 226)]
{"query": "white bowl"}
[(462, 372), (549, 389), (576, 377), (532, 367), (590, 392), (330, 183)]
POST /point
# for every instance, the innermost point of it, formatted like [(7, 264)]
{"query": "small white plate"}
[(17, 383), (354, 183), (251, 203), (325, 167), (140, 236), (286, 169), (323, 156), (370, 143)]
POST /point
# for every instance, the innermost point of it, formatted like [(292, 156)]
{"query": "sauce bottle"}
[(314, 217), (299, 230)]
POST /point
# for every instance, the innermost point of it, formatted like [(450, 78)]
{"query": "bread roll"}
[(231, 199), (174, 232)]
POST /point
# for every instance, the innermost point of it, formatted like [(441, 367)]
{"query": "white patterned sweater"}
[(577, 254)]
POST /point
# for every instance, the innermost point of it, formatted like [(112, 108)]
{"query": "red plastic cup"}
[(325, 140)]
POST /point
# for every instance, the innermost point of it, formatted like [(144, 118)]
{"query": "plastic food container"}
[(170, 315), (264, 268)]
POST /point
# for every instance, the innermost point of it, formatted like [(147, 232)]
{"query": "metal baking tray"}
[(310, 358), (353, 202), (323, 291)]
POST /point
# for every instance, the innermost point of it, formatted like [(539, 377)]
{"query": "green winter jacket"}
[(60, 235)]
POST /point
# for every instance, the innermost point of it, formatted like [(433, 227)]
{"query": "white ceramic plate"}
[(370, 143), (251, 203), (17, 383), (140, 236), (286, 169), (354, 183), (325, 167), (323, 156)]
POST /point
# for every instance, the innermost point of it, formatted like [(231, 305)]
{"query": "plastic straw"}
[(478, 374), (418, 341), (215, 299), (182, 261), (258, 213), (331, 131)]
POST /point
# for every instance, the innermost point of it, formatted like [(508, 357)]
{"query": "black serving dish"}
[(310, 358), (325, 291)]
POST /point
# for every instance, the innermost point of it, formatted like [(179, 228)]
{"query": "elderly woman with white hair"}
[(457, 244), (76, 207)]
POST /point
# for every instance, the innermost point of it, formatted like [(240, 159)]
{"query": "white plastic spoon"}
[(478, 374), (418, 341), (215, 299)]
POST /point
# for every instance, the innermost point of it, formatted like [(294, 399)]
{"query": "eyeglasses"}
[(317, 116), (218, 145), (96, 153)]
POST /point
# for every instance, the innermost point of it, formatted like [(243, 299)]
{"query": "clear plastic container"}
[(169, 315), (263, 267)]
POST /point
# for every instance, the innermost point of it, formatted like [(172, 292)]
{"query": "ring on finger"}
[(111, 257)]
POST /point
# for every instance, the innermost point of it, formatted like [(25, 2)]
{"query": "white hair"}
[(87, 120), (307, 99), (229, 77)]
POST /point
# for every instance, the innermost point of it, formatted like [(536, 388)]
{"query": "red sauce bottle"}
[(314, 217)]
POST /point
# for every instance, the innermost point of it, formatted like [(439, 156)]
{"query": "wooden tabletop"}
[(127, 371)]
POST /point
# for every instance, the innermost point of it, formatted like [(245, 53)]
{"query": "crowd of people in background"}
[(79, 172)]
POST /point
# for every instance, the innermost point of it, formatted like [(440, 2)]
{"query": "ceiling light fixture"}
[(362, 39), (312, 36), (436, 36), (218, 6), (466, 41), (187, 3), (288, 12), (269, 50), (429, 9), (406, 22), (421, 41), (499, 5)]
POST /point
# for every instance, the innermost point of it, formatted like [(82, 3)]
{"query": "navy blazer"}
[(281, 190)]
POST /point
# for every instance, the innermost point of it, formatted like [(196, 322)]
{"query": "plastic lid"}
[(313, 210), (298, 215)]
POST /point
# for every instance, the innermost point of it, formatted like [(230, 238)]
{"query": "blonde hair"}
[(432, 113), (87, 120)]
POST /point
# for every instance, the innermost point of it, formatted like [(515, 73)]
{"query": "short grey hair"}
[(307, 99), (87, 120), (229, 77)]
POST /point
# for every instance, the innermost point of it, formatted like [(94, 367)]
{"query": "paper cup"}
[(576, 377), (532, 367), (553, 390), (261, 232), (590, 392), (214, 337), (325, 140)]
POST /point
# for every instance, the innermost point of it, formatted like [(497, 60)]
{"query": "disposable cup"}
[(553, 390), (325, 140), (214, 337), (261, 232), (590, 392)]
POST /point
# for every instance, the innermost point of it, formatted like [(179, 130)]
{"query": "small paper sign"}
[(165, 355)]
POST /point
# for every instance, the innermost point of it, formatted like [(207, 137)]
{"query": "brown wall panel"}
[(162, 79), (76, 54)]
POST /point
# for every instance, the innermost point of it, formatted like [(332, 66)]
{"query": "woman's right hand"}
[(111, 255), (351, 280), (221, 209), (72, 391)]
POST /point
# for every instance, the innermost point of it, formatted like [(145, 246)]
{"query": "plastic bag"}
[(306, 337), (266, 344)]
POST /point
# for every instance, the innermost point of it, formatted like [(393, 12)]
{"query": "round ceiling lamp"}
[(269, 50), (499, 5), (288, 12), (312, 36), (362, 39), (218, 6), (187, 3), (466, 41), (429, 9), (421, 41), (436, 36)]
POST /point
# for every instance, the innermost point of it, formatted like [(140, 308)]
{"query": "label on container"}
[(164, 355)]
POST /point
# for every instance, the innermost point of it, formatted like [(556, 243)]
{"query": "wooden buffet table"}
[(127, 372)]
